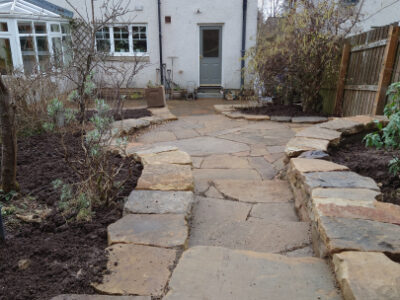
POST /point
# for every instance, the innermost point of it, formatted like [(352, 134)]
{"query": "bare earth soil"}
[(65, 257), (278, 110), (369, 162), (126, 114)]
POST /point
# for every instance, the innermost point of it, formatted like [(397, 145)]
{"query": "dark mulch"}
[(126, 114), (271, 109), (65, 257), (368, 162)]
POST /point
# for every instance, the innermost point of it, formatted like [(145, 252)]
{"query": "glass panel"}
[(66, 44), (40, 28), (65, 28), (121, 39), (103, 40), (211, 43), (27, 45), (140, 46), (44, 62), (29, 63), (55, 28), (57, 52), (25, 27), (43, 52), (3, 27), (6, 63), (139, 38)]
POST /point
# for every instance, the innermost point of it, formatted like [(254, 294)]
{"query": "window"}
[(103, 40), (122, 40), (139, 39), (6, 63)]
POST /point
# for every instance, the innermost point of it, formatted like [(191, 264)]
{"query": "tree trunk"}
[(9, 141)]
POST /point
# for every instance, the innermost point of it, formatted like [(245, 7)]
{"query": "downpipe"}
[(243, 51)]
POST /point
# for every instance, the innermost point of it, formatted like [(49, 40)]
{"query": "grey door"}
[(210, 55)]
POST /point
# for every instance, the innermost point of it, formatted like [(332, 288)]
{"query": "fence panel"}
[(363, 71)]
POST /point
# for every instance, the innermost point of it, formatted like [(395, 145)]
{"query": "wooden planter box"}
[(155, 97)]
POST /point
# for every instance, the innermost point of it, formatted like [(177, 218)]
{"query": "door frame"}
[(219, 26)]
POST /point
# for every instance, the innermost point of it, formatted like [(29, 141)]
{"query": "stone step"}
[(159, 202), (166, 231), (225, 274)]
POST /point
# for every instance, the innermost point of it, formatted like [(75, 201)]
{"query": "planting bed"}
[(368, 162), (64, 257), (277, 110)]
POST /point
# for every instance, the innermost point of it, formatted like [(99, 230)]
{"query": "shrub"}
[(388, 138), (303, 52), (100, 183)]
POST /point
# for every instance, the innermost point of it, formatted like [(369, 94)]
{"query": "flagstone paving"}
[(243, 239)]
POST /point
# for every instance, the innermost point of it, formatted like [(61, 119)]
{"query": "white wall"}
[(378, 13), (181, 38)]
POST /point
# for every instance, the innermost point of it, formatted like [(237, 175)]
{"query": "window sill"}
[(131, 58)]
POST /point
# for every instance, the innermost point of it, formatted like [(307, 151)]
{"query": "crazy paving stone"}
[(159, 202), (153, 230), (221, 276), (137, 270), (255, 191)]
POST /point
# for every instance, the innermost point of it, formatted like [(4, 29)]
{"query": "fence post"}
[(385, 75), (342, 79)]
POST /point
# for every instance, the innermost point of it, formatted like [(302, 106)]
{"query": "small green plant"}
[(388, 137), (59, 115)]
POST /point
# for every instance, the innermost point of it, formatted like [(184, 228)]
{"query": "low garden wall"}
[(349, 224)]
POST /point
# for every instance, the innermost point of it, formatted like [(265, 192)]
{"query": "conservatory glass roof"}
[(39, 8)]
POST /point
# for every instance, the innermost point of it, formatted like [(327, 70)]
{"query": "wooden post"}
[(386, 70), (342, 79)]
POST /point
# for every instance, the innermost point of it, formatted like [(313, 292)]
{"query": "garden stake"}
[(2, 233)]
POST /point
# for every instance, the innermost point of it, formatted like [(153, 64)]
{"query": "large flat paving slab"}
[(274, 212), (225, 161), (367, 276), (204, 146), (137, 270), (224, 274), (153, 230), (255, 191), (159, 202), (254, 234)]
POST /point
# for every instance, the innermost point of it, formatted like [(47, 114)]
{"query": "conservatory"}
[(34, 34)]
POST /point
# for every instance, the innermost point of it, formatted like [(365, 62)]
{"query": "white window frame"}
[(14, 36), (130, 37)]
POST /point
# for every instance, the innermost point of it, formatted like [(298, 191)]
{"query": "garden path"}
[(246, 241)]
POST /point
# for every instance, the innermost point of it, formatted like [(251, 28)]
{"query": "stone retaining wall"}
[(349, 224)]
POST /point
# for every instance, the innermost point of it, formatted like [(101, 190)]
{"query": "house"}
[(198, 43)]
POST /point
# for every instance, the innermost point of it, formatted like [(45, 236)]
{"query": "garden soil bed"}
[(278, 110), (64, 257), (368, 162)]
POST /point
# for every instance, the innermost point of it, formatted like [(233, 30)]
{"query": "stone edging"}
[(146, 243), (129, 126), (229, 110), (349, 225)]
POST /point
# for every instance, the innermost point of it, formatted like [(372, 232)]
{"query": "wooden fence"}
[(370, 62)]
